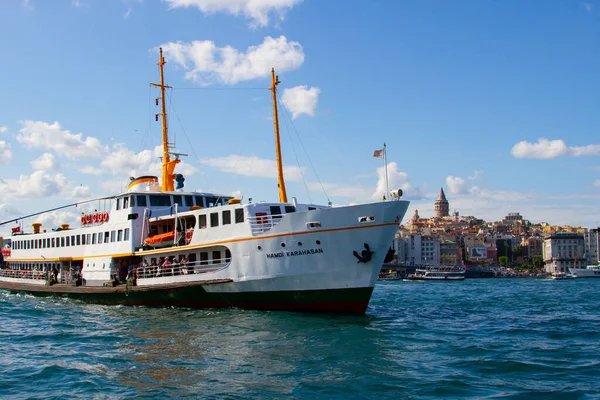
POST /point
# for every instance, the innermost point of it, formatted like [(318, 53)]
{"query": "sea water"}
[(486, 338)]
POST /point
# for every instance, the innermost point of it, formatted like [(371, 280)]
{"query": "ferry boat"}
[(157, 245), (591, 271), (442, 273)]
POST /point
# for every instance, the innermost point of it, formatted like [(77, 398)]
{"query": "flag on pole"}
[(378, 153)]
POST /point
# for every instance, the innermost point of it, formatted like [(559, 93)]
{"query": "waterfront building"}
[(448, 252), (442, 207), (564, 250), (591, 246)]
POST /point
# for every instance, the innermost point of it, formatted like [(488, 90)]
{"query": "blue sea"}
[(480, 338)]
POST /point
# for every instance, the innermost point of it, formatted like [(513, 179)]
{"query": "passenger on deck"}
[(175, 265)]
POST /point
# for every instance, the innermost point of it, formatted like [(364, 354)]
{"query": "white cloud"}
[(206, 63), (456, 185), (91, 170), (40, 134), (123, 162), (80, 192), (257, 11), (237, 194), (45, 162), (3, 129), (127, 13), (251, 166), (596, 183), (301, 100), (5, 152), (37, 185), (396, 180), (546, 149), (55, 219), (476, 175)]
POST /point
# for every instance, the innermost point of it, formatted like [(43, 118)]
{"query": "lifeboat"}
[(161, 240)]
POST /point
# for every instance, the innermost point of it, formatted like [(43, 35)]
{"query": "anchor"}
[(365, 255)]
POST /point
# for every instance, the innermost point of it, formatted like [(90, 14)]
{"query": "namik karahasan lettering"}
[(295, 253)]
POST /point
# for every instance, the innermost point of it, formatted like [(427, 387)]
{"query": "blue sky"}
[(495, 100)]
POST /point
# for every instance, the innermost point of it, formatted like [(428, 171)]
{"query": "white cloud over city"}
[(205, 63), (546, 149)]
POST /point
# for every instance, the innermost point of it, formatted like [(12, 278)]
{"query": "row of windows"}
[(161, 200), (225, 218), (73, 240)]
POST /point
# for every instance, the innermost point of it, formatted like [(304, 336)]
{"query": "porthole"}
[(259, 247), (299, 243), (282, 244), (318, 242)]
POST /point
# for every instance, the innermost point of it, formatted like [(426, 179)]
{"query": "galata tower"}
[(442, 208)]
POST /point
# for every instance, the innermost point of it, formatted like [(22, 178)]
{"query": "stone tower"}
[(442, 207)]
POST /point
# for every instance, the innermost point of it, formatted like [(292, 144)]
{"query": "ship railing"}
[(263, 223), (23, 274), (189, 268)]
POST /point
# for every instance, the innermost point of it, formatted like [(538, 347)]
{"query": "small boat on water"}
[(560, 276), (442, 273), (279, 255), (591, 271)]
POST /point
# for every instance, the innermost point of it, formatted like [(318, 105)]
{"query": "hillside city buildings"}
[(452, 239)]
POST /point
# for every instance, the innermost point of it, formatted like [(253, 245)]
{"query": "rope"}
[(306, 152)]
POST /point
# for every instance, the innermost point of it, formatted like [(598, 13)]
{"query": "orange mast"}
[(280, 182), (168, 165)]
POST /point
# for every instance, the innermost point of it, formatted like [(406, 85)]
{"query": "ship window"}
[(99, 237), (239, 215), (68, 242), (160, 201), (216, 257), (35, 245), (189, 200), (177, 200), (132, 201), (141, 201), (112, 237), (72, 240), (125, 202), (290, 209), (214, 219), (118, 204), (119, 235), (62, 242), (312, 208), (87, 239), (83, 239), (275, 212), (53, 242), (226, 217), (202, 221), (203, 258), (211, 201), (93, 238), (199, 201), (126, 235), (227, 255), (79, 240)]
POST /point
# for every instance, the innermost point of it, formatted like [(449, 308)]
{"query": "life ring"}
[(94, 218), (83, 220), (188, 236), (88, 219)]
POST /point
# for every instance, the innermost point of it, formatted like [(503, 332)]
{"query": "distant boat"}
[(591, 271), (442, 273), (559, 276)]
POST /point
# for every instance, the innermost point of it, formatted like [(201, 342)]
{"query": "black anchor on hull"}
[(365, 255)]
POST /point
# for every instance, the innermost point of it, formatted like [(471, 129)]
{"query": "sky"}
[(495, 101)]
